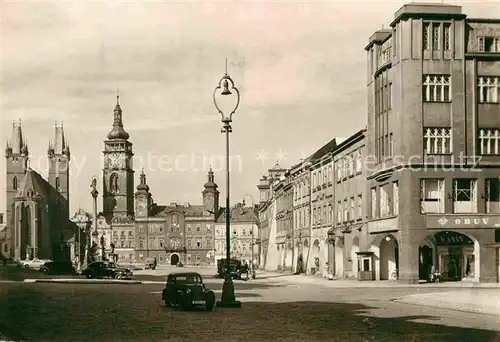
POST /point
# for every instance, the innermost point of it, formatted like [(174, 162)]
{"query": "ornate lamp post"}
[(226, 84), (251, 231)]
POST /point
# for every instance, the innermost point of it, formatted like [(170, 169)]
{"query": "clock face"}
[(115, 160)]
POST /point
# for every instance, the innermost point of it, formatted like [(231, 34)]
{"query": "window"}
[(353, 209), (359, 213), (488, 44), (384, 202), (314, 216), (189, 228), (330, 175), (395, 198), (113, 183), (339, 211), (346, 212), (189, 243), (437, 140), (437, 88), (320, 180), (432, 196), (198, 257), (209, 228), (436, 36), (358, 166), (489, 89), (489, 141), (160, 228), (426, 36), (447, 37), (141, 244), (374, 210), (161, 243), (338, 171), (493, 195), (198, 244), (198, 228), (464, 196), (58, 184), (174, 219), (14, 183)]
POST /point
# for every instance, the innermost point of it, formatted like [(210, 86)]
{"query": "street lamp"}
[(227, 85), (251, 231)]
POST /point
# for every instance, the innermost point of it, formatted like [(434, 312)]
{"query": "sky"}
[(300, 68)]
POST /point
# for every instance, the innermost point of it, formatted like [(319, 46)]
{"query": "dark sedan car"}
[(106, 269), (186, 291), (58, 267)]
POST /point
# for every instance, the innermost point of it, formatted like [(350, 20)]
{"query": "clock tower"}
[(118, 172), (211, 194)]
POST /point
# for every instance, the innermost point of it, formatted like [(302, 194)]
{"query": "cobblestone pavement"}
[(63, 312)]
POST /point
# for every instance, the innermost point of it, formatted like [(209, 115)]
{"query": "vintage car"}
[(58, 267), (106, 269), (236, 268), (186, 290)]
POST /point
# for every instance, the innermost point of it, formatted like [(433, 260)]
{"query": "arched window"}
[(58, 183), (113, 183), (14, 183)]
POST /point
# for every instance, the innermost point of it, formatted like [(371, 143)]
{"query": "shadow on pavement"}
[(107, 313)]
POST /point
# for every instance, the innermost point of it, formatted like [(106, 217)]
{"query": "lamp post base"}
[(228, 299)]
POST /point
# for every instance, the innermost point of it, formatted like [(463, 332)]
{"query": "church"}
[(132, 228), (37, 215)]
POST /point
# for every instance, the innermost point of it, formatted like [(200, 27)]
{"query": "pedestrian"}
[(326, 270)]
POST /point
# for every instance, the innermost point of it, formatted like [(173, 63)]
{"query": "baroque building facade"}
[(132, 228)]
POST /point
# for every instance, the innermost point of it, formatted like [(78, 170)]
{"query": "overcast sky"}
[(300, 67)]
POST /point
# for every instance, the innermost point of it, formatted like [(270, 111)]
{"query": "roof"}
[(194, 210), (239, 214), (184, 274), (325, 149), (33, 181)]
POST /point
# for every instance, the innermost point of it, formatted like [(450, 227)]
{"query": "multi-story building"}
[(200, 235), (300, 178), (244, 229), (321, 170), (433, 132), (271, 259), (83, 224), (349, 229), (284, 229)]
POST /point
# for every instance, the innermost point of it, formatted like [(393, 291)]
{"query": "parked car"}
[(33, 264), (186, 291), (106, 269), (150, 264), (58, 267), (236, 268)]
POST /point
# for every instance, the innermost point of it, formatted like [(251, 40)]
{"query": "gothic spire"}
[(118, 132), (59, 140), (17, 143)]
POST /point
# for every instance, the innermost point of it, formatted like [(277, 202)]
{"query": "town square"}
[(240, 171)]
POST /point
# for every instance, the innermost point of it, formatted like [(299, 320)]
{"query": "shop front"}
[(455, 247)]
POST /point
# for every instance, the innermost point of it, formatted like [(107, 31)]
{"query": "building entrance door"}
[(174, 259)]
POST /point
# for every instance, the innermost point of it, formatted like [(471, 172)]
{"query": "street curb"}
[(84, 281)]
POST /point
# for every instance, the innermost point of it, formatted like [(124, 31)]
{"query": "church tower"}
[(143, 198), (16, 160), (59, 157), (211, 194), (118, 173)]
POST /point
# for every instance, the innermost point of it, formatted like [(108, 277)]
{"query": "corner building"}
[(433, 140)]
